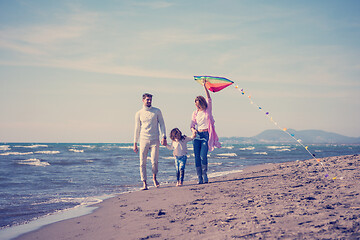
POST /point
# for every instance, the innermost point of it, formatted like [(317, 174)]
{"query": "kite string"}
[(284, 130)]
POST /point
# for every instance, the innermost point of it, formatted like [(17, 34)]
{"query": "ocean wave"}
[(218, 174), (126, 147), (283, 150), (247, 148), (82, 201), (32, 146), (228, 147), (5, 148), (48, 152), (226, 154), (76, 150), (277, 147), (216, 163), (15, 153), (261, 153), (34, 162), (84, 146), (87, 146)]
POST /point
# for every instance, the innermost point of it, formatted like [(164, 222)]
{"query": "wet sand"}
[(291, 200)]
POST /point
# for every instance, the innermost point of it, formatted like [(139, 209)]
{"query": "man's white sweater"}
[(147, 122)]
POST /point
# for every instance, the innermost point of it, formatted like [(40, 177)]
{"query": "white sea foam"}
[(48, 152), (167, 157), (218, 174), (84, 146), (227, 154), (32, 146), (247, 148), (76, 150), (87, 146), (283, 150), (34, 162), (15, 153), (228, 147), (261, 153), (79, 210), (277, 147), (126, 147), (5, 148), (215, 163), (82, 201)]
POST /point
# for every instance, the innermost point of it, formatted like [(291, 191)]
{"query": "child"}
[(178, 144)]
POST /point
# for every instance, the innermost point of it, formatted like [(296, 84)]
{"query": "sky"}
[(75, 70)]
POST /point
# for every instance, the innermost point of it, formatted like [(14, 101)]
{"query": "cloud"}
[(154, 4), (173, 36), (41, 39), (19, 47), (92, 65), (231, 45)]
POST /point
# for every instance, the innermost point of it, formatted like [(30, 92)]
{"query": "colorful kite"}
[(214, 84)]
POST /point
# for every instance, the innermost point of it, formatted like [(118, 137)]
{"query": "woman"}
[(206, 138)]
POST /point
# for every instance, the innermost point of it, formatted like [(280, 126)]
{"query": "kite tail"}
[(285, 130)]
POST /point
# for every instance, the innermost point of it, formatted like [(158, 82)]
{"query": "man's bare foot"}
[(144, 186), (156, 183)]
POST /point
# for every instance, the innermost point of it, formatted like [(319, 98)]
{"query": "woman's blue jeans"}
[(201, 149)]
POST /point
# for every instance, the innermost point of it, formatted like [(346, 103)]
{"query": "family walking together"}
[(149, 120)]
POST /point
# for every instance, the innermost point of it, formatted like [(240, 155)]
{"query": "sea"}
[(38, 180)]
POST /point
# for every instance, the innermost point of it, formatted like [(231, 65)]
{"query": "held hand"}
[(193, 130), (135, 148), (164, 142)]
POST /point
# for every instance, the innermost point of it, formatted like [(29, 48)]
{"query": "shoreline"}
[(16, 231), (290, 200)]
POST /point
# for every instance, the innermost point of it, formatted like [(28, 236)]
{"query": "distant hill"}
[(307, 136)]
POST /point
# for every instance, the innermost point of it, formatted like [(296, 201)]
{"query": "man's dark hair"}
[(145, 95)]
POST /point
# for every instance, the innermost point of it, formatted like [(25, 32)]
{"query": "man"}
[(147, 123)]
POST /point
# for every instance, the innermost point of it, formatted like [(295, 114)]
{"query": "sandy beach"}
[(293, 200)]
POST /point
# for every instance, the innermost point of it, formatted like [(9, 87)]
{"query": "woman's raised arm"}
[(206, 90)]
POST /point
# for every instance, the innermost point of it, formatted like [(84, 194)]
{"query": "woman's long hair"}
[(202, 102)]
